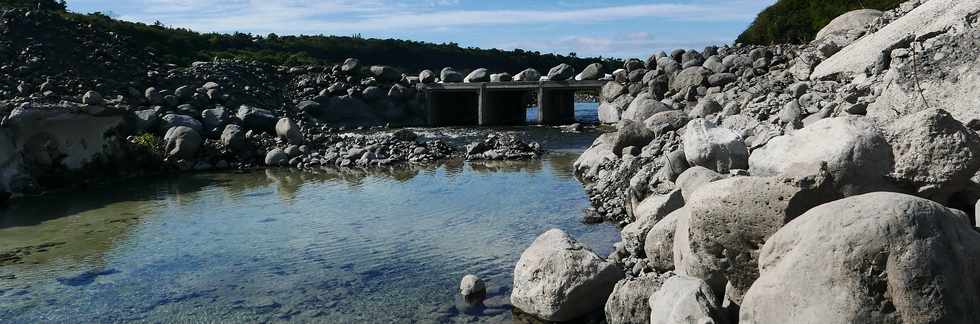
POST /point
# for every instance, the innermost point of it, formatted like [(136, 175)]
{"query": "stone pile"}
[(498, 146), (832, 182)]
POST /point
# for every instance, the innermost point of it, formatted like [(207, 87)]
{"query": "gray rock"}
[(851, 148), (593, 71), (427, 76), (93, 98), (628, 303), (694, 178), (715, 65), (683, 299), (690, 77), (633, 64), (351, 66), (288, 131), (716, 148), (677, 55), (791, 114), (659, 86), (233, 137), (478, 75), (214, 119), (648, 213), (706, 107), (310, 107), (612, 90), (558, 279), (875, 258), (666, 121), (173, 120), (934, 153), (184, 93), (612, 112), (501, 77), (449, 75), (846, 28), (276, 157), (145, 120), (721, 79), (528, 75), (182, 142), (562, 72), (644, 106), (601, 151), (675, 163), (153, 96), (731, 219), (386, 74), (658, 245), (631, 133), (257, 119), (472, 285), (372, 93)]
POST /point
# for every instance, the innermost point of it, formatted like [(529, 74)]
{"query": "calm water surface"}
[(281, 245)]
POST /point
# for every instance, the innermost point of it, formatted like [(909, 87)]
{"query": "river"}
[(278, 245)]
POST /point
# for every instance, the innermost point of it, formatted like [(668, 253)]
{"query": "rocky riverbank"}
[(831, 182)]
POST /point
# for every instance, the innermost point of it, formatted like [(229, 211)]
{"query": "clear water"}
[(287, 246)]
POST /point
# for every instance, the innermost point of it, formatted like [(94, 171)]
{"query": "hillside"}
[(798, 21), (182, 47)]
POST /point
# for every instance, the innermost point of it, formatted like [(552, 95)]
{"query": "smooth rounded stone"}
[(644, 106), (683, 299), (558, 279), (233, 137), (257, 119), (875, 258), (601, 151), (695, 177), (501, 77), (287, 130), (472, 285), (184, 93), (93, 98), (631, 133), (659, 86), (666, 121), (935, 155), (153, 96), (528, 75), (182, 142), (677, 55), (675, 163), (562, 72), (593, 71), (427, 76), (852, 148), (731, 219), (214, 119), (846, 28), (449, 75), (621, 76), (629, 301), (612, 112), (721, 79), (706, 107), (715, 64), (826, 112), (716, 148), (351, 66), (648, 213), (173, 120), (790, 114), (478, 75), (612, 90), (399, 91), (276, 157), (386, 73), (637, 75), (633, 64), (690, 77), (658, 245)]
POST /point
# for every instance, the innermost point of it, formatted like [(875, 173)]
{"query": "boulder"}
[(666, 121), (472, 285), (309, 107), (683, 299), (731, 219), (644, 106), (658, 245), (93, 98), (631, 133), (386, 74), (690, 77), (716, 148), (601, 151), (153, 96), (721, 79), (852, 149), (351, 66), (714, 64), (648, 213), (214, 119), (593, 71), (173, 120), (935, 155), (288, 131), (182, 142), (706, 107), (478, 75), (257, 119), (528, 75), (372, 93), (874, 258), (629, 301), (562, 72), (611, 112), (847, 28), (558, 279), (276, 157), (501, 77), (427, 76), (694, 178), (449, 75), (145, 120), (233, 137)]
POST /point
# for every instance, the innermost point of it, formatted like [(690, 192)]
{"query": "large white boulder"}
[(558, 279), (852, 149), (659, 242), (644, 106), (587, 165), (875, 258), (683, 299), (848, 27), (648, 213), (629, 301), (713, 147)]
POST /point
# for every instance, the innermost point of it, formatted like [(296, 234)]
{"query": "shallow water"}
[(282, 245)]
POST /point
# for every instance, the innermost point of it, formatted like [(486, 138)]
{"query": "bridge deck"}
[(528, 85)]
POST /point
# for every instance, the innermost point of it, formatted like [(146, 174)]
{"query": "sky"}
[(608, 28)]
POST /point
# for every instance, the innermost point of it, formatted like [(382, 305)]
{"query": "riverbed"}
[(277, 245)]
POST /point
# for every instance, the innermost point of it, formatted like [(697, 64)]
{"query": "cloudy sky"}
[(618, 28)]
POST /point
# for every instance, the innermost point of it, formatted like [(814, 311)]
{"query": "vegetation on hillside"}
[(798, 21), (183, 46)]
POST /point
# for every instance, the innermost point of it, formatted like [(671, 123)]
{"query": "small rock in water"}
[(472, 286)]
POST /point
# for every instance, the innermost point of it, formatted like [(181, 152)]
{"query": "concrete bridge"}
[(503, 103)]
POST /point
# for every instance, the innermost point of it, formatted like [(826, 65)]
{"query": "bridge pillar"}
[(503, 107), (557, 106), (454, 108)]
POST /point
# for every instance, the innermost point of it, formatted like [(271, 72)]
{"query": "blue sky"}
[(622, 28)]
